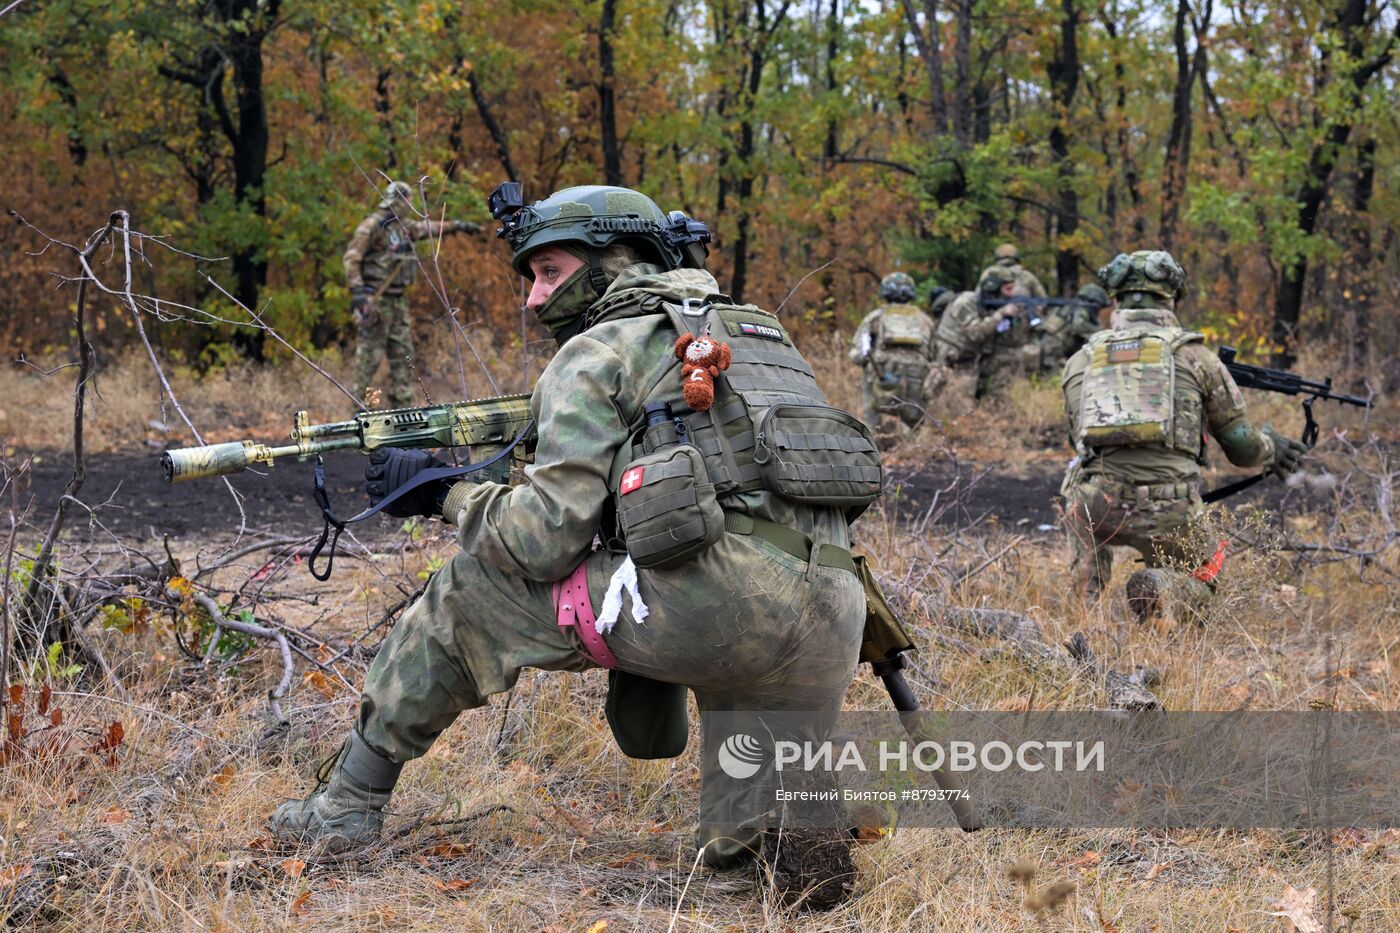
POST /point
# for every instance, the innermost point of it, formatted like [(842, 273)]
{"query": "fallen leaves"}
[(292, 867), (320, 683), (452, 886), (115, 815), (1296, 909)]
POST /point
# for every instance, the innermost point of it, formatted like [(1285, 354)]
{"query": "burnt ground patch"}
[(132, 500)]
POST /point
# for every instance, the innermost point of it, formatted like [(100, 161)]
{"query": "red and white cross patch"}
[(632, 480)]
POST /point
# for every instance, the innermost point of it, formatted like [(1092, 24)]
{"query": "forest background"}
[(1256, 140)]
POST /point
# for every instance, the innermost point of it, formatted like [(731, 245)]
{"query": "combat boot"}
[(811, 868), (1152, 591), (346, 810)]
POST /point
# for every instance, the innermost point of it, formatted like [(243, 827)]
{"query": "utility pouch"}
[(647, 717), (884, 639), (818, 455), (665, 502)]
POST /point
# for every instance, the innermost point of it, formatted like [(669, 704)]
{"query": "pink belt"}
[(573, 607)]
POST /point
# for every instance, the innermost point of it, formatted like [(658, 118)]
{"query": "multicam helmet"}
[(995, 277), (1092, 295), (394, 192), (1008, 251), (897, 286), (597, 216), (1148, 270)]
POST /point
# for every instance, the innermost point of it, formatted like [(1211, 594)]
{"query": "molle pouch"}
[(818, 455), (666, 506)]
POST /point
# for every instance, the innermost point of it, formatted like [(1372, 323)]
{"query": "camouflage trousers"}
[(745, 625), (1164, 523), (894, 397), (385, 331), (997, 373)]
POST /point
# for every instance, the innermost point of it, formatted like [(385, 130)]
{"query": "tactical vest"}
[(1129, 393), (390, 257), (770, 427), (903, 326)]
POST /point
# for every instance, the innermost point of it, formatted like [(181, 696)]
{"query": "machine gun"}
[(490, 429), (1285, 383)]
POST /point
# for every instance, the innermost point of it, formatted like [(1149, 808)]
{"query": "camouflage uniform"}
[(380, 264), (1066, 328), (1008, 258), (894, 346), (1137, 480), (745, 624), (1002, 347)]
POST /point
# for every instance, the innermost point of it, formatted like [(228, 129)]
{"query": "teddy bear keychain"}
[(702, 360)]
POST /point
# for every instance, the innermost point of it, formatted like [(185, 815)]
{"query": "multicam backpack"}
[(904, 326), (1129, 393)]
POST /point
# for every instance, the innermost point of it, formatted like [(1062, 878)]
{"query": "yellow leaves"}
[(224, 775), (320, 683), (598, 927)]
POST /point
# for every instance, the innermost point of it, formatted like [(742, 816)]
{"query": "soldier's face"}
[(1008, 289), (552, 267)]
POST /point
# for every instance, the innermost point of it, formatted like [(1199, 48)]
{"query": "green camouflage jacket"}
[(588, 403)]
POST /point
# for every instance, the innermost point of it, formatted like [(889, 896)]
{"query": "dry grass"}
[(556, 830)]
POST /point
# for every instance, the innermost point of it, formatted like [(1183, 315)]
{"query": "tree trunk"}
[(1178, 156), (930, 48), (1351, 23), (1064, 81), (607, 103)]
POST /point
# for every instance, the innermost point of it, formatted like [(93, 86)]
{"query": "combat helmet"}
[(596, 217), (394, 192), (1092, 295), (995, 277), (1152, 271), (1007, 251), (897, 286)]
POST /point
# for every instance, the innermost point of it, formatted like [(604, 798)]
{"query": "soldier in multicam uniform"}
[(769, 616), (1138, 397), (1008, 258), (1066, 328), (1000, 342), (894, 346), (379, 265)]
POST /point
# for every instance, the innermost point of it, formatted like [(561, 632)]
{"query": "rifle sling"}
[(423, 477)]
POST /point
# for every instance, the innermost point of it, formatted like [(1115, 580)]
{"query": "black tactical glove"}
[(465, 226), (360, 301), (389, 468), (1288, 454)]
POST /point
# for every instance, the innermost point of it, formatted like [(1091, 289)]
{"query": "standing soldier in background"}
[(1000, 342), (379, 265), (894, 345), (1138, 397), (1066, 328), (1009, 258)]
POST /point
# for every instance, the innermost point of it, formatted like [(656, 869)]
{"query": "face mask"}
[(563, 311)]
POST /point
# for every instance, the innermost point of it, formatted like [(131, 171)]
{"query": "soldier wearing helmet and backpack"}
[(894, 347), (722, 531), (1139, 398)]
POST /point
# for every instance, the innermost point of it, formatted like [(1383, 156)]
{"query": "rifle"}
[(1286, 383), (883, 646), (491, 430), (1029, 304)]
